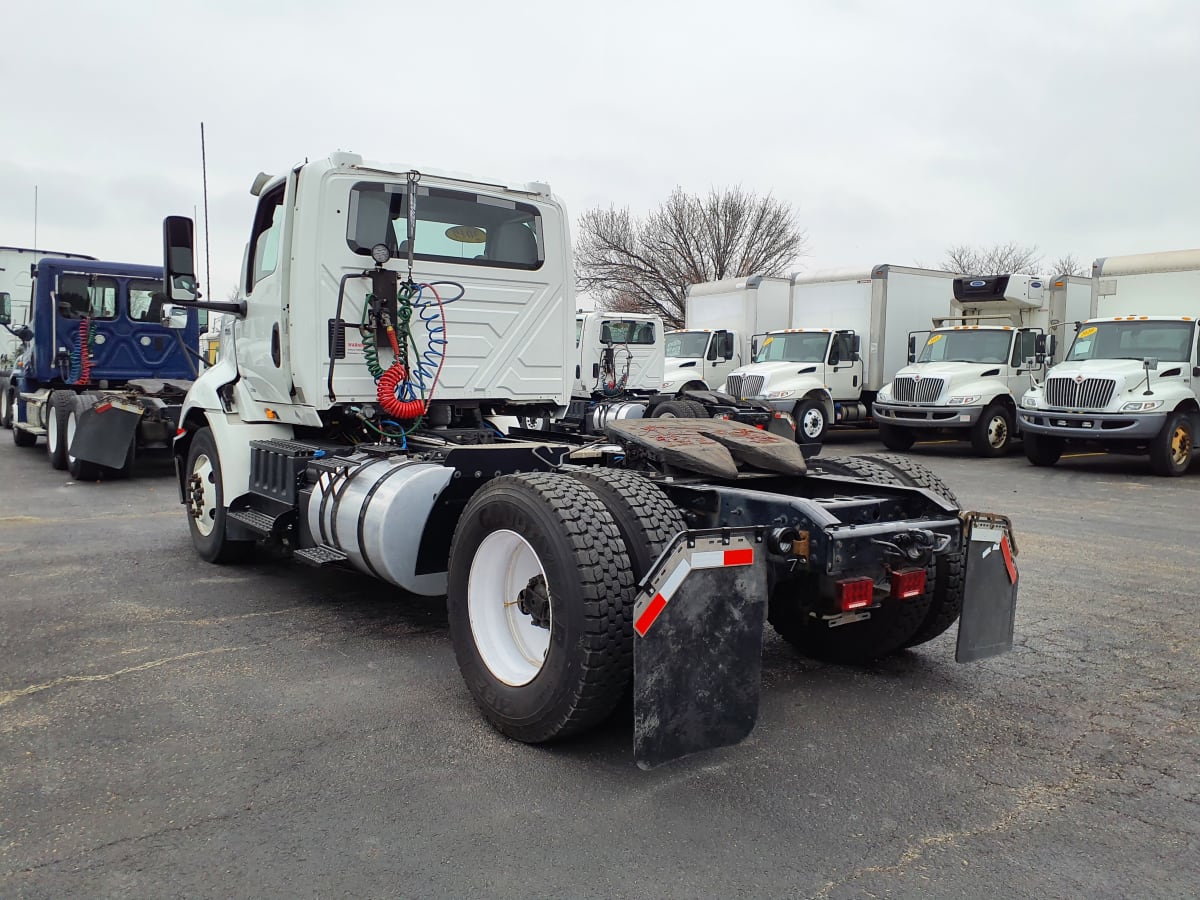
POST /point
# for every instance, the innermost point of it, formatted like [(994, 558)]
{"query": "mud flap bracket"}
[(698, 636), (985, 627)]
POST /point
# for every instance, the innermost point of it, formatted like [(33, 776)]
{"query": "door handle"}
[(275, 354)]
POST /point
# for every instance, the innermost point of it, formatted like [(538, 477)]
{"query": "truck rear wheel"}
[(206, 504), (1171, 449), (699, 410), (992, 434), (675, 409), (539, 601), (80, 469), (896, 437), (1043, 449), (811, 421), (59, 406)]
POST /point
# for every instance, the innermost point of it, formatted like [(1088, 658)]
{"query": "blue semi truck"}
[(100, 373)]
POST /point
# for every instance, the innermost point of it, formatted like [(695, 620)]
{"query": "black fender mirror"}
[(912, 348), (5, 308)]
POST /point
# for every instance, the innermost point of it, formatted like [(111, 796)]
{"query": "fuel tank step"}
[(320, 556)]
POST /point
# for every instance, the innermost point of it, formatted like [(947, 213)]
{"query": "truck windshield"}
[(1171, 341), (687, 344), (804, 346), (967, 346)]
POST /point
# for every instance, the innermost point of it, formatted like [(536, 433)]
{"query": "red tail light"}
[(855, 593), (907, 583)]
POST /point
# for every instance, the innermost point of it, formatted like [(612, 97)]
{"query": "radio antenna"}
[(204, 175)]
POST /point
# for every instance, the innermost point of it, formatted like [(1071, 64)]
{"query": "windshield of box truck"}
[(1169, 341), (805, 346), (687, 344), (967, 346)]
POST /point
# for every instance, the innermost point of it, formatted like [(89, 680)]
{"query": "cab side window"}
[(1024, 347), (264, 240)]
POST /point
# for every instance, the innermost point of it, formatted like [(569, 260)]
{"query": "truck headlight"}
[(1141, 405), (884, 395), (963, 401), (1029, 401), (779, 395)]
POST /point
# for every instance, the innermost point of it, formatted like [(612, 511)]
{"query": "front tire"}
[(992, 435), (811, 422), (6, 407), (539, 600), (896, 437), (61, 403), (1042, 449), (1171, 449), (206, 504)]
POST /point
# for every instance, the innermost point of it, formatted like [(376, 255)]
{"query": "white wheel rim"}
[(998, 432), (71, 424), (812, 422), (510, 645), (202, 470), (52, 432)]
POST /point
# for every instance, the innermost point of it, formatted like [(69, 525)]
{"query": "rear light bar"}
[(908, 583), (855, 593)]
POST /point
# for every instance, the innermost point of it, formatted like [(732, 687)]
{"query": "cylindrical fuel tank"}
[(850, 412), (611, 412), (375, 513)]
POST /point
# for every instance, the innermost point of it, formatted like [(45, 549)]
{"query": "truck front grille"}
[(742, 386), (1090, 393), (917, 390)]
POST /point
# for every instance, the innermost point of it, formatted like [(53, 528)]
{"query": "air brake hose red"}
[(389, 383)]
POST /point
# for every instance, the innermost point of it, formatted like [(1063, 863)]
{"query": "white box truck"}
[(979, 361), (847, 337), (721, 319), (1130, 381)]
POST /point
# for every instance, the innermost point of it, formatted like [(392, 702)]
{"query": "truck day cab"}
[(344, 423), (978, 362), (1131, 380)]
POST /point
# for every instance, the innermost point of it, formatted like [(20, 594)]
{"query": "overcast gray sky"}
[(896, 129)]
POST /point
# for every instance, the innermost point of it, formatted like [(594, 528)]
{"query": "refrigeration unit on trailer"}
[(720, 321), (344, 422), (1130, 381), (967, 375), (847, 336)]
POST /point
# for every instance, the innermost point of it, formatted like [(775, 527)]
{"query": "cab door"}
[(261, 340), (843, 372)]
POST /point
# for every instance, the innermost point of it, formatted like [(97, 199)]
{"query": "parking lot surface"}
[(170, 728)]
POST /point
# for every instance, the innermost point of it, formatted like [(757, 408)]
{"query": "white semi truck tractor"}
[(970, 372), (1130, 382), (384, 315)]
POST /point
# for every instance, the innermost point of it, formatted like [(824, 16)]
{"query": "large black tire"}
[(896, 437), (80, 469), (675, 409), (646, 519), (950, 572), (992, 434), (588, 591), (811, 422), (699, 410), (1043, 449), (1171, 449), (206, 504), (61, 403), (6, 406)]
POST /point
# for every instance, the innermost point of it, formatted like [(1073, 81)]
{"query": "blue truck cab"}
[(100, 373)]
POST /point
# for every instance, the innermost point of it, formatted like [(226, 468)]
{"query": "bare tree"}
[(1068, 265), (631, 265), (998, 259)]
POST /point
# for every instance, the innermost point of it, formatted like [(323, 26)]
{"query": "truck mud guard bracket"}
[(698, 637), (985, 627)]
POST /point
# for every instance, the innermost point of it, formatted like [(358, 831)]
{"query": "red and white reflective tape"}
[(704, 559)]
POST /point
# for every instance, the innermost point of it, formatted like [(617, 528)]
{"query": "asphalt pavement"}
[(170, 728)]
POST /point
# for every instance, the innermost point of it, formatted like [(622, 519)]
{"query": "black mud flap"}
[(697, 657), (985, 627), (105, 432)]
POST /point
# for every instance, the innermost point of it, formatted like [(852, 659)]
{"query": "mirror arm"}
[(237, 307)]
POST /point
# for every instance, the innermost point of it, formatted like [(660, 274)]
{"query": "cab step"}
[(320, 556), (257, 521)]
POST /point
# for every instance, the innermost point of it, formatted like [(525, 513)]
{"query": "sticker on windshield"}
[(933, 339), (1088, 332), (767, 342)]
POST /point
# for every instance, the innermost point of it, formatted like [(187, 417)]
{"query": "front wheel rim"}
[(1181, 445), (812, 423), (998, 432), (513, 648), (202, 497)]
